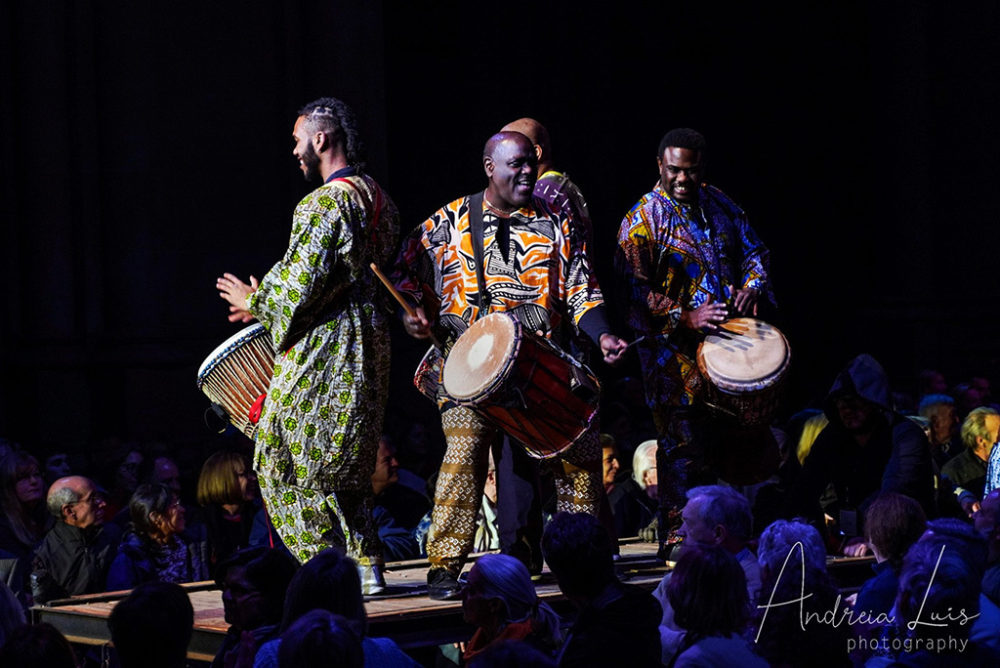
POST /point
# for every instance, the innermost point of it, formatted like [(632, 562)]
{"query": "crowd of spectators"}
[(909, 478)]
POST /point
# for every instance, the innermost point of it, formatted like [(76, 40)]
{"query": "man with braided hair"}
[(321, 422), (537, 270), (690, 261)]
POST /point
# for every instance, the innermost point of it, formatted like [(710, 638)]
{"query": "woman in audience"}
[(320, 639), (501, 602), (228, 494), (708, 592), (329, 581), (153, 549), (24, 519)]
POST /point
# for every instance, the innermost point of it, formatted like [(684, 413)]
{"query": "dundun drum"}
[(237, 374), (743, 364), (523, 384)]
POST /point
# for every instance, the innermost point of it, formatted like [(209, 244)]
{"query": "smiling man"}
[(524, 246), (690, 260)]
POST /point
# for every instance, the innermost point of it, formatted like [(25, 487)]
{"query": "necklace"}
[(498, 210)]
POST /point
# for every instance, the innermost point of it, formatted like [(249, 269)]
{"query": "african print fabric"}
[(322, 419), (459, 490), (676, 256)]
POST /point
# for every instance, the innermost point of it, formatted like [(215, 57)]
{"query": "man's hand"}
[(855, 547), (745, 300), (612, 348), (705, 317), (417, 325), (235, 291)]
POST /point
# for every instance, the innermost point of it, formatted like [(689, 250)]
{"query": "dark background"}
[(146, 148)]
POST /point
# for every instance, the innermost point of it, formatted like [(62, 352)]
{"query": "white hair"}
[(643, 460)]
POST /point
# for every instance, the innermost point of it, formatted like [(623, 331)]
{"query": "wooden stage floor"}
[(406, 614)]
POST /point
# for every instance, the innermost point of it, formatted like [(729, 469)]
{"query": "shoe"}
[(372, 579), (442, 585)]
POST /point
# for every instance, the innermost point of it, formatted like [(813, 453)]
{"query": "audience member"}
[(792, 559), (987, 523), (866, 448), (708, 594), (320, 639), (228, 496), (254, 582), (37, 646), (23, 520), (152, 626), (943, 431), (125, 463), (609, 461), (714, 516), (967, 470), (75, 555), (56, 466), (398, 542), (617, 623), (153, 548), (633, 500), (11, 612), (330, 581), (511, 654), (501, 602)]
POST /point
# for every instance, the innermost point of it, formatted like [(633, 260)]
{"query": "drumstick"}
[(402, 302)]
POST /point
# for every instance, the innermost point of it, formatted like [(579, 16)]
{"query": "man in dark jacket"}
[(618, 623), (74, 556), (867, 448)]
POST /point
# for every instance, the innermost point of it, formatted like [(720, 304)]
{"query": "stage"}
[(404, 614)]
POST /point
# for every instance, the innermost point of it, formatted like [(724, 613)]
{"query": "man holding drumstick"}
[(691, 261), (533, 268), (321, 422)]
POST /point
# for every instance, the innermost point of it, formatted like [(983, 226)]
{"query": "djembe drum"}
[(522, 383), (237, 374)]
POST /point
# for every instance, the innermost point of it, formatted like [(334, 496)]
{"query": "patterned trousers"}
[(459, 491), (310, 520)]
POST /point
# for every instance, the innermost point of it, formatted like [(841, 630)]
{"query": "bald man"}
[(74, 556), (525, 243)]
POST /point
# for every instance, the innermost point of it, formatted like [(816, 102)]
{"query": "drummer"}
[(690, 260), (525, 245)]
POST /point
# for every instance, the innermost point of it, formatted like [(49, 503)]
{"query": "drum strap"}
[(476, 231)]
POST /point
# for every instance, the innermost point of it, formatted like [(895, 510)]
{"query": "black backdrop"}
[(146, 148)]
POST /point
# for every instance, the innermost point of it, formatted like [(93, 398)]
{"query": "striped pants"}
[(459, 491)]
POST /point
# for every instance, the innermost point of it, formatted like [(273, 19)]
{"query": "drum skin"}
[(744, 365), (523, 384), (237, 375)]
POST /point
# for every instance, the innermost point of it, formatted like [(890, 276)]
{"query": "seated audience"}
[(511, 654), (398, 542), (617, 623), (501, 602), (714, 516), (254, 582), (37, 646), (708, 594), (320, 639), (11, 612), (230, 500), (125, 462), (330, 581), (75, 555), (633, 501), (967, 470), (943, 426), (23, 520), (987, 523), (152, 626), (866, 448), (792, 559), (153, 548)]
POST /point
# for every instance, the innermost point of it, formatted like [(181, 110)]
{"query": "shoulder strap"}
[(476, 231)]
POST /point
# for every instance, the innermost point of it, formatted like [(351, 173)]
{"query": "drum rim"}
[(214, 358), (504, 370)]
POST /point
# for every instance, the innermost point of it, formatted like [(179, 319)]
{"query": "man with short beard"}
[(321, 421), (525, 245)]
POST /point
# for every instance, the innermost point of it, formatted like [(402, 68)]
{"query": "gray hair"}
[(643, 460), (781, 539), (506, 578), (724, 505), (63, 496)]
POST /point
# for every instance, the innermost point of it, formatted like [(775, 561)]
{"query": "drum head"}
[(746, 354), (480, 358), (245, 334)]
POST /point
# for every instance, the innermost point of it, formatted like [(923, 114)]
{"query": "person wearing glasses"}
[(74, 556)]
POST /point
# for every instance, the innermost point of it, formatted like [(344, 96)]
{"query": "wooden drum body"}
[(523, 384), (744, 364), (237, 374)]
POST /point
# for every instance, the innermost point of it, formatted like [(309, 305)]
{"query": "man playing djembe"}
[(533, 268), (690, 260)]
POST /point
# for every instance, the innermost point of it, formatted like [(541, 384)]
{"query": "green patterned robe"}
[(321, 422)]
